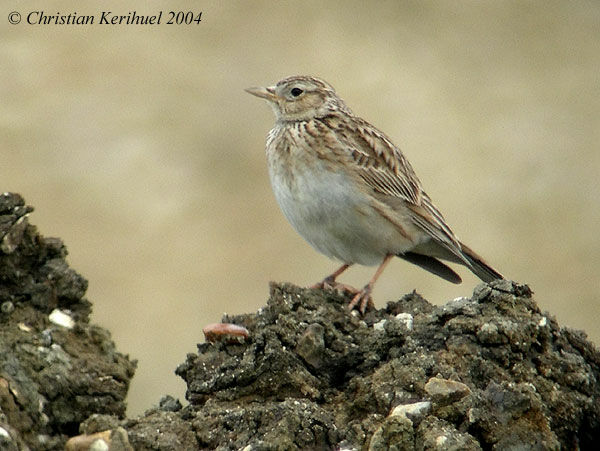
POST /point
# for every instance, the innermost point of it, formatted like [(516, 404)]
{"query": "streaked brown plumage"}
[(350, 192)]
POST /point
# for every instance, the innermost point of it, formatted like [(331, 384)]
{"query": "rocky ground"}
[(56, 369), (489, 372)]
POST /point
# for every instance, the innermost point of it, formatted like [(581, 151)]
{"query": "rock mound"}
[(56, 369), (487, 372)]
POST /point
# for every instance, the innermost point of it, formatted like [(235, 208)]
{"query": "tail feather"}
[(479, 267), (427, 254), (432, 265)]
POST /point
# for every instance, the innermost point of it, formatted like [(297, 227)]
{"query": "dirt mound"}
[(475, 373), (56, 369)]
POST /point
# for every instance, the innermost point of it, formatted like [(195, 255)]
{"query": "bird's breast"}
[(328, 208), (308, 191)]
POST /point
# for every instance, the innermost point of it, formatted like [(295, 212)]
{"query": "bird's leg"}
[(363, 297), (330, 283)]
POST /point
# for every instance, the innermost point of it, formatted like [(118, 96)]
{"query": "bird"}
[(349, 191)]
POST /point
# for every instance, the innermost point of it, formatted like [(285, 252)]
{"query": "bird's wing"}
[(381, 164), (383, 167), (430, 219)]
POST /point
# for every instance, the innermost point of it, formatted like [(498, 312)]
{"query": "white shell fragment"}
[(24, 327)]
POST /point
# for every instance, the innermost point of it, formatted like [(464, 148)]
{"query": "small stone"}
[(445, 391), (99, 445), (113, 440), (61, 318), (7, 307), (379, 325), (7, 443), (415, 411), (24, 327), (436, 434), (441, 440), (460, 299), (14, 236), (169, 404), (489, 333), (46, 337), (311, 345), (97, 442), (481, 292), (344, 446), (406, 319), (227, 332)]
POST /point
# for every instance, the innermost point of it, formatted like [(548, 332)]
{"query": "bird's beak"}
[(264, 93)]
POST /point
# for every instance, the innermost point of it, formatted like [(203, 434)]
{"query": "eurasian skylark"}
[(350, 192)]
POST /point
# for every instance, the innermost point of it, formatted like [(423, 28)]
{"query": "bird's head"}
[(300, 98)]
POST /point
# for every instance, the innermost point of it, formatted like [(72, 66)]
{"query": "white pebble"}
[(405, 318), (440, 440), (24, 327), (99, 445), (60, 318), (414, 409), (379, 324)]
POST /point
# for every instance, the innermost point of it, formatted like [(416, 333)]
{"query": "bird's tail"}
[(479, 267), (433, 265)]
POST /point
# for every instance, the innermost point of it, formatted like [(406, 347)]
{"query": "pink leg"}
[(329, 281), (363, 297)]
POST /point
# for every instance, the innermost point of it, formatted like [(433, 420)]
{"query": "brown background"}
[(138, 146)]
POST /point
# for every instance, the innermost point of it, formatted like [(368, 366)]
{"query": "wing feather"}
[(383, 167)]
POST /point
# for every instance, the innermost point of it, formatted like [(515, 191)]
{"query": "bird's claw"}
[(362, 299)]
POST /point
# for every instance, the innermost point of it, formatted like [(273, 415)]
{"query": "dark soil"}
[(52, 377)]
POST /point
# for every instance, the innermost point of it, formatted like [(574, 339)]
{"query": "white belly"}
[(334, 217)]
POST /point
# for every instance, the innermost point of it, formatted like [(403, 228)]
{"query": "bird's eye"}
[(296, 92)]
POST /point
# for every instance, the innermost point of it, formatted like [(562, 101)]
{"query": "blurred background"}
[(139, 148)]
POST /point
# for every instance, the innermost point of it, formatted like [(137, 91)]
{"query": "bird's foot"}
[(325, 284), (329, 283), (362, 299)]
